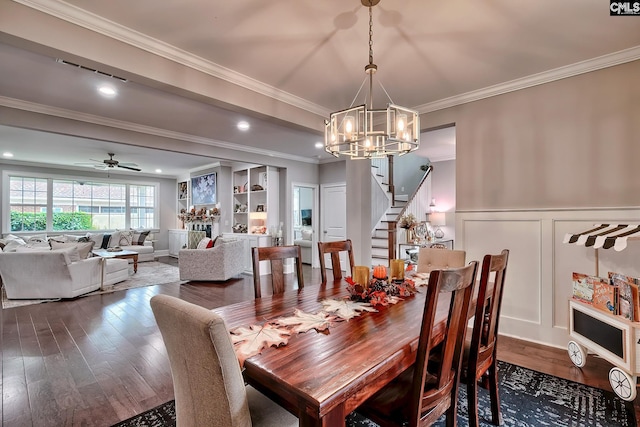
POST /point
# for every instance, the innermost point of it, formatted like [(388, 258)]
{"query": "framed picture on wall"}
[(203, 189), (183, 190)]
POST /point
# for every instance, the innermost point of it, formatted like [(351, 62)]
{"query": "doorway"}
[(334, 218), (304, 227)]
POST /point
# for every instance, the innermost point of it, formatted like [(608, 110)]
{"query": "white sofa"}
[(115, 271), (48, 274), (222, 262), (145, 251), (304, 239)]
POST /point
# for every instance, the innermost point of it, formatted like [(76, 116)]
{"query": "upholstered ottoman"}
[(115, 271)]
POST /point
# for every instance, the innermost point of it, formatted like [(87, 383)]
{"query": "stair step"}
[(379, 247)]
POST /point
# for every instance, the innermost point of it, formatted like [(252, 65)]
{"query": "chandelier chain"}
[(370, 36)]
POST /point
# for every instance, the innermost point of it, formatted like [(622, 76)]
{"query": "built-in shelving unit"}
[(255, 200)]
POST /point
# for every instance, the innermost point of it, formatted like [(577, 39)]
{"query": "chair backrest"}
[(435, 258), (334, 249), (434, 391), (276, 255), (487, 315), (207, 382)]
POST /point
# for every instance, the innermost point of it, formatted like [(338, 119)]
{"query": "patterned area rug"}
[(149, 273), (528, 399)]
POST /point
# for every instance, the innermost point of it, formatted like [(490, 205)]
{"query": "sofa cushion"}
[(71, 253), (32, 248), (84, 248), (11, 242)]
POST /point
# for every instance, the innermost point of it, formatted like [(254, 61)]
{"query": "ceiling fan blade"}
[(128, 167), (92, 165), (131, 165)]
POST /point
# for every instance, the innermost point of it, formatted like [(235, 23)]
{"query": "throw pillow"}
[(36, 238), (106, 238), (97, 239), (114, 240), (126, 236), (139, 237), (83, 248), (205, 243), (307, 234)]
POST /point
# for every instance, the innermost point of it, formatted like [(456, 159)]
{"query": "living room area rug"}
[(149, 273), (527, 399)]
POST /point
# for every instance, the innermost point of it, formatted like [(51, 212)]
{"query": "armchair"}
[(219, 263)]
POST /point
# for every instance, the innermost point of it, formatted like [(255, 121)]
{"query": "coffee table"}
[(103, 253)]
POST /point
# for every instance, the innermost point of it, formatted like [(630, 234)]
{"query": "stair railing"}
[(418, 205)]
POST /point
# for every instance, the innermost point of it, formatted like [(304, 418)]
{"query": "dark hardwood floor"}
[(97, 360)]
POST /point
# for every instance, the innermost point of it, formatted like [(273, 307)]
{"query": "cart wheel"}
[(577, 354), (623, 384)]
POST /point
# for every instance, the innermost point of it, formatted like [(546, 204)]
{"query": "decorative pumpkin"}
[(380, 272)]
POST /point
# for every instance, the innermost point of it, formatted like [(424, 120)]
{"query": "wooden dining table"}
[(322, 377)]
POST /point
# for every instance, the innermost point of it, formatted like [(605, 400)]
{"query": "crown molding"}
[(149, 130), (98, 24), (604, 61), (82, 18)]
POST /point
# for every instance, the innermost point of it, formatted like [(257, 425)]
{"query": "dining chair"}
[(334, 249), (435, 258), (426, 391), (208, 385), (276, 255), (480, 358)]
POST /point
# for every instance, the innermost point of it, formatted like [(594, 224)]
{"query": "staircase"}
[(386, 234)]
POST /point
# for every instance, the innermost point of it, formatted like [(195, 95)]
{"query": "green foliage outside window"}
[(61, 221)]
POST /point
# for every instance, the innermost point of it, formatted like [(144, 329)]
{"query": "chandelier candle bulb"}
[(361, 275), (397, 269)]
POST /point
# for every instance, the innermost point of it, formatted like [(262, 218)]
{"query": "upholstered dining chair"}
[(334, 249), (207, 382), (480, 359), (276, 255), (425, 391), (436, 258)]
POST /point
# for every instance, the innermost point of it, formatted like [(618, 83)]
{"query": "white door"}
[(334, 218)]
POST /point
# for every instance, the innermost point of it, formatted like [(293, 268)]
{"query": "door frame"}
[(323, 187), (315, 226)]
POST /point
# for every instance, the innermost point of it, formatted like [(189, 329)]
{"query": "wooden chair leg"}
[(452, 414), (472, 398), (494, 395)]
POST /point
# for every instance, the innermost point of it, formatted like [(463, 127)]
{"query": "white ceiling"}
[(306, 57)]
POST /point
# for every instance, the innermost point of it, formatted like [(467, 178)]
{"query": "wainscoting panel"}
[(538, 283), (521, 299)]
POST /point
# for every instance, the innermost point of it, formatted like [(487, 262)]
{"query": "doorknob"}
[(325, 231)]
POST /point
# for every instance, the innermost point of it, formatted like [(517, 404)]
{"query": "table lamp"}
[(437, 219)]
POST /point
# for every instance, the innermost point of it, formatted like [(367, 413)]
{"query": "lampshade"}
[(437, 218)]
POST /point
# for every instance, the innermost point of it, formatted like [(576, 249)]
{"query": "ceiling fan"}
[(110, 163)]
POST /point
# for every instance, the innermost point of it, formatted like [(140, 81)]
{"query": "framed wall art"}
[(183, 190), (203, 189)]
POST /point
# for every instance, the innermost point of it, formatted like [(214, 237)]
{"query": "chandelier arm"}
[(358, 93), (385, 91)]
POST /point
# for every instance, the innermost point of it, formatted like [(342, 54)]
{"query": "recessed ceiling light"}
[(158, 170), (7, 154), (319, 145), (243, 126), (107, 90)]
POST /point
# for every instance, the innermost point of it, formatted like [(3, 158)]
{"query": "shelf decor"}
[(202, 214)]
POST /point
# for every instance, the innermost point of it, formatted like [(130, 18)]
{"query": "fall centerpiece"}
[(380, 289)]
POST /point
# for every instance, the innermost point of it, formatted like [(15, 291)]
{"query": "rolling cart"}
[(612, 337)]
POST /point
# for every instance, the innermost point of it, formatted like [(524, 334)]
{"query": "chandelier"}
[(365, 133)]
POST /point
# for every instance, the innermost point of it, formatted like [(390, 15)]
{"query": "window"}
[(79, 205), (28, 203)]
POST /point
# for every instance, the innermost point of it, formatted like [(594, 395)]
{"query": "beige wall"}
[(569, 143)]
